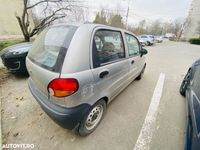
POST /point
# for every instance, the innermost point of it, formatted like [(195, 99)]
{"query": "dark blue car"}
[(190, 88), (14, 57)]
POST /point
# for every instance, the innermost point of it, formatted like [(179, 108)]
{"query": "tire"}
[(141, 74), (184, 84), (86, 126), (148, 43)]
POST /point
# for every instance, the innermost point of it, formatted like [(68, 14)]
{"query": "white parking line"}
[(148, 126)]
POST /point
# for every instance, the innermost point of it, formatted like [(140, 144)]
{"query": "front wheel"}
[(92, 119)]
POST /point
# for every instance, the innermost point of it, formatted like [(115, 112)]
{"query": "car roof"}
[(92, 26)]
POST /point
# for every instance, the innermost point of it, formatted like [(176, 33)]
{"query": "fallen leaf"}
[(51, 137), (16, 134)]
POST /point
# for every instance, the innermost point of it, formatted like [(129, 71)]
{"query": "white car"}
[(142, 42), (77, 70), (149, 39), (158, 39)]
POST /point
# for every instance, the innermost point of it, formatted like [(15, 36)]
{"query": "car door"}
[(194, 100), (110, 66), (136, 62)]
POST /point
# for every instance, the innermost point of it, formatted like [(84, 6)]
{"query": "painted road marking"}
[(148, 126)]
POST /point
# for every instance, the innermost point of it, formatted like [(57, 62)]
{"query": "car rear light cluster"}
[(63, 87)]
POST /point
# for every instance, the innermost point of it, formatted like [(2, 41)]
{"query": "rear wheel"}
[(141, 74), (184, 84), (92, 119), (148, 43)]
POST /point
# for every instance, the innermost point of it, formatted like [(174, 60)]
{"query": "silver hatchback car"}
[(76, 70)]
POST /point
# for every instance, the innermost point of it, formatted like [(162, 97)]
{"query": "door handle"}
[(103, 74), (132, 62)]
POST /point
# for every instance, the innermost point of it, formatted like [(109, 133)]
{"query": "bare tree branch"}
[(36, 30), (49, 17), (44, 1), (53, 10)]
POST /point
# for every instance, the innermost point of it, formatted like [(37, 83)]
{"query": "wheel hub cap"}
[(94, 117)]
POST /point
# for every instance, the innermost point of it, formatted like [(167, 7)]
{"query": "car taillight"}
[(63, 87)]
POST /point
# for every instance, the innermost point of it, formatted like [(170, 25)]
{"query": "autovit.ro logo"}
[(17, 146)]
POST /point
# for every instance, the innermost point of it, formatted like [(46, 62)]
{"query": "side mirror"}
[(143, 52)]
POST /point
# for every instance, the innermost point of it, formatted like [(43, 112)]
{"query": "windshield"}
[(50, 47)]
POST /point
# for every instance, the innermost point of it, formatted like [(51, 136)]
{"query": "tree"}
[(115, 20), (79, 14), (177, 27), (97, 18), (156, 28), (101, 17), (112, 19), (141, 27), (167, 27), (53, 10)]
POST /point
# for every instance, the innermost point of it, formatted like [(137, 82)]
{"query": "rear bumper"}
[(68, 118)]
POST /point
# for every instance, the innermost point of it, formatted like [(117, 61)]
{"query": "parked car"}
[(73, 81), (190, 88), (142, 42), (149, 39), (14, 57), (158, 39), (170, 36)]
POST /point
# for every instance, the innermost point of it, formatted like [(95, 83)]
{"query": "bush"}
[(195, 41), (8, 43)]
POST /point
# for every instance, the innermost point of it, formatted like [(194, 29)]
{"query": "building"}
[(193, 21), (9, 24)]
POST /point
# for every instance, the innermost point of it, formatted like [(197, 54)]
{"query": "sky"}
[(166, 10), (149, 10)]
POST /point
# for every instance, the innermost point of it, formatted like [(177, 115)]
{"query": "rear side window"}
[(196, 81), (133, 45), (50, 47), (107, 47)]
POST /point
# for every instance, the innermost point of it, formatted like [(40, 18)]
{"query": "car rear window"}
[(50, 47)]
